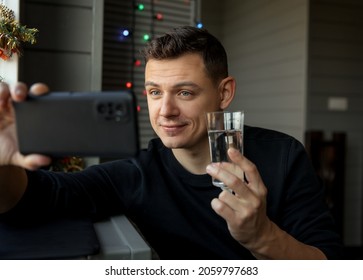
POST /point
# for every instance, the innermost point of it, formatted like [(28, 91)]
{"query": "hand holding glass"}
[(225, 130)]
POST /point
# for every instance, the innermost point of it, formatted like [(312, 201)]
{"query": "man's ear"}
[(227, 89)]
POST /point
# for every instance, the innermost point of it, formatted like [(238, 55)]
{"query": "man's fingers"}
[(4, 94), (19, 92), (241, 176), (251, 173), (221, 208), (31, 162), (39, 89)]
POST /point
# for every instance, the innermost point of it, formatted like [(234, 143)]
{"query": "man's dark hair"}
[(188, 40)]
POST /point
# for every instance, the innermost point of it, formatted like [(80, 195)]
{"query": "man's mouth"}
[(173, 128)]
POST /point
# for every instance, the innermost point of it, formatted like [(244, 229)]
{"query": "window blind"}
[(120, 53)]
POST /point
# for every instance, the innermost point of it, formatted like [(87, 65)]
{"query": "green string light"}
[(140, 7)]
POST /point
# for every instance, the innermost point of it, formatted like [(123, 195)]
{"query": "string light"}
[(146, 37), (140, 7), (129, 33), (126, 32), (129, 85), (137, 62), (159, 16)]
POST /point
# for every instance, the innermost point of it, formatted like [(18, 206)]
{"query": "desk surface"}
[(58, 239)]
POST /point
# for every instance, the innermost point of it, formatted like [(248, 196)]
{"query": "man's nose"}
[(168, 106)]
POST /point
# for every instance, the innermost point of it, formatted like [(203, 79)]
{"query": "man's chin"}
[(171, 143)]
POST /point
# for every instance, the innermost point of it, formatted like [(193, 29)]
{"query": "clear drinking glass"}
[(225, 130)]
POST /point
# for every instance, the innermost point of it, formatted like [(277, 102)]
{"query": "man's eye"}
[(185, 93), (154, 92)]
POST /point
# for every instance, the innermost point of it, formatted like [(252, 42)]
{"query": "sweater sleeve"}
[(54, 194)]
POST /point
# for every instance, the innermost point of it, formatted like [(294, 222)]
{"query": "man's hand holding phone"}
[(9, 151), (36, 125)]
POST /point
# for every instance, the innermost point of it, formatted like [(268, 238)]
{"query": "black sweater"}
[(171, 206)]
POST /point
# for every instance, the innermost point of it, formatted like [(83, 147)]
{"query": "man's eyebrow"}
[(186, 83), (177, 85)]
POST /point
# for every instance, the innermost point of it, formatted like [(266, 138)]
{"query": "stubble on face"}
[(186, 93)]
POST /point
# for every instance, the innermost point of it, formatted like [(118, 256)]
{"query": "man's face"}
[(179, 93)]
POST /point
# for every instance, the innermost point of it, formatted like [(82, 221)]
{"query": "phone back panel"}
[(59, 124)]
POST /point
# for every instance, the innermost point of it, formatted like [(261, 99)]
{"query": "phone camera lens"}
[(101, 108)]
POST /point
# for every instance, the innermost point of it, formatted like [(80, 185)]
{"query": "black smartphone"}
[(102, 124)]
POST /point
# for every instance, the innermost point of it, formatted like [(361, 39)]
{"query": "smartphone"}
[(58, 124)]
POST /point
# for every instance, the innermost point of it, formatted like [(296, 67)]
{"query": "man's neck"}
[(195, 161)]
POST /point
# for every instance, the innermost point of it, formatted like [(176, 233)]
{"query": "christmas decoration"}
[(128, 27), (12, 34), (67, 164), (138, 34)]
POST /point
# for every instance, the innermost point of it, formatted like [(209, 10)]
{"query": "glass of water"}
[(225, 130)]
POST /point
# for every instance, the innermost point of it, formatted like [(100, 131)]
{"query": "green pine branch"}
[(12, 35)]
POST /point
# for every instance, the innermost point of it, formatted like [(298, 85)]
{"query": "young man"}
[(278, 213)]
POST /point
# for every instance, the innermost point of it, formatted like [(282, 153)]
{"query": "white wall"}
[(266, 44)]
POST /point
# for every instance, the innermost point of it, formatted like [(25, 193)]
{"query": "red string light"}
[(137, 62), (159, 16)]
